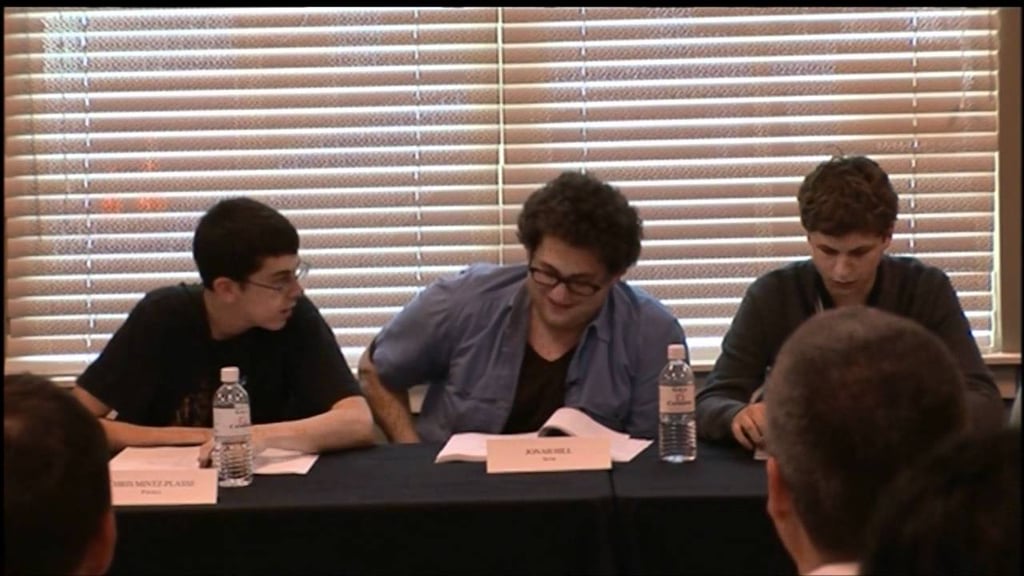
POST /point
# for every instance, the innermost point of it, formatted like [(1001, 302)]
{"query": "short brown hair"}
[(848, 194), (56, 479), (957, 511), (855, 394)]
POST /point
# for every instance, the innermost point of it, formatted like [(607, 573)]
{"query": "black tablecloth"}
[(702, 517), (391, 510), (383, 510)]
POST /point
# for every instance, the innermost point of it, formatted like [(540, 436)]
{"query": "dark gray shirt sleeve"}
[(939, 308), (777, 303), (738, 371)]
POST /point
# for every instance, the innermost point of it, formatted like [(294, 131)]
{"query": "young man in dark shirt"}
[(848, 208), (154, 381)]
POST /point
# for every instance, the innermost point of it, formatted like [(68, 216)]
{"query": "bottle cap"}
[(676, 352), (229, 374)]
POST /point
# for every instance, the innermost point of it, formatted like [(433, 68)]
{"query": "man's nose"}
[(560, 293), (842, 269)]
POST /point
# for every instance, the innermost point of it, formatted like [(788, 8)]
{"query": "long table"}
[(702, 517), (384, 510), (389, 509)]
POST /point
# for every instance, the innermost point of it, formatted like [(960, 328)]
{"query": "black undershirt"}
[(541, 391)]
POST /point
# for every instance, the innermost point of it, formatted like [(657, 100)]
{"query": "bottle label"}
[(231, 422), (676, 399)]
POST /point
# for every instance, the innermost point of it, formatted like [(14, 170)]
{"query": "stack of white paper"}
[(472, 446)]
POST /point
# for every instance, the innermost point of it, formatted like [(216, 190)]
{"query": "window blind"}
[(710, 118), (402, 142)]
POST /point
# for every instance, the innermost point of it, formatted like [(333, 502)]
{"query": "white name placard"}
[(548, 454), (163, 487)]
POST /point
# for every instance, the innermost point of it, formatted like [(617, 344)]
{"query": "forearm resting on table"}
[(390, 407), (123, 434), (348, 424)]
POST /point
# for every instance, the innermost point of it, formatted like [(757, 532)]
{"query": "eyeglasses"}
[(552, 279), (300, 272)]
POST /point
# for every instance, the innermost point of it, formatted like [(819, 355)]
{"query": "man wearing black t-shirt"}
[(154, 381)]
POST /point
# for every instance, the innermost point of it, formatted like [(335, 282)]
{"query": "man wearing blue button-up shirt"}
[(502, 347)]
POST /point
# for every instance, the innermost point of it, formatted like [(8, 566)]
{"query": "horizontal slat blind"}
[(710, 117), (374, 130), (403, 141)]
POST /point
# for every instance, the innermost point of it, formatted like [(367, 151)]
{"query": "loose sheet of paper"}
[(471, 446), (576, 423), (269, 461), (278, 461), (624, 450)]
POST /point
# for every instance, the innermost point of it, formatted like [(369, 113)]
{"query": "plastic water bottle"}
[(232, 431), (677, 418)]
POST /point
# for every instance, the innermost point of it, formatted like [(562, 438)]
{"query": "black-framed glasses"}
[(298, 274), (552, 279)]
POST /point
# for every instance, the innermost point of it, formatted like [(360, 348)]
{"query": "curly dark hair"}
[(848, 194), (587, 213)]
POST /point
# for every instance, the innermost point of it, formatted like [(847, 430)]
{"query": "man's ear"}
[(99, 553), (788, 525), (226, 289), (780, 499)]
